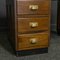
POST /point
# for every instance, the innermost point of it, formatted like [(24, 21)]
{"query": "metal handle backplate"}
[(33, 7), (33, 24), (33, 40)]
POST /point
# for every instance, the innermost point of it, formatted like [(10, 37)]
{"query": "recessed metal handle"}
[(33, 7), (33, 24)]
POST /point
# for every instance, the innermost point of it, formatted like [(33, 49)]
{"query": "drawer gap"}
[(30, 16), (39, 31)]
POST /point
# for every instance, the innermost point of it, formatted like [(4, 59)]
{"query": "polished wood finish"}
[(24, 41), (23, 7), (24, 24), (29, 24)]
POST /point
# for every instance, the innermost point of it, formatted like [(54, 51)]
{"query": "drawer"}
[(31, 41), (26, 25), (40, 7)]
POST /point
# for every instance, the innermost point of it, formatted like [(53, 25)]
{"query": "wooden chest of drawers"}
[(29, 25)]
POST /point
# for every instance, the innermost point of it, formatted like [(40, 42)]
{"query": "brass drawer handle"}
[(33, 40), (33, 7), (33, 24)]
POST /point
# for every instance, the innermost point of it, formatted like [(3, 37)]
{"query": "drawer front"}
[(28, 41), (33, 7), (32, 24)]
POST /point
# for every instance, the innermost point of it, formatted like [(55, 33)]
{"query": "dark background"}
[(4, 22)]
